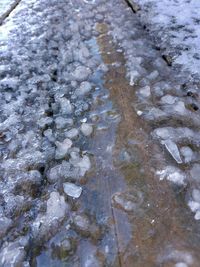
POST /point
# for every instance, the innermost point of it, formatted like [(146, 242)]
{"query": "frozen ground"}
[(175, 25), (84, 89)]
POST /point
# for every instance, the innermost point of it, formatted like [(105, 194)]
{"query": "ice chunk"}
[(84, 88), (134, 75), (197, 215), (62, 148), (73, 133), (82, 223), (153, 75), (65, 105), (5, 224), (46, 224), (181, 264), (86, 129), (72, 190), (194, 206), (45, 122), (81, 73), (83, 164), (145, 91), (195, 172), (180, 108), (12, 255), (173, 150), (196, 195), (187, 153), (168, 99), (172, 174), (62, 122)]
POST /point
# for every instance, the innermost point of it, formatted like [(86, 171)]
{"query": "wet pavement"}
[(97, 169)]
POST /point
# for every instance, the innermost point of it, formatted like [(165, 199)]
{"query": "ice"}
[(62, 122), (82, 223), (54, 174), (5, 224), (153, 75), (85, 87), (62, 148), (181, 264), (134, 75), (45, 122), (81, 73), (195, 172), (83, 163), (73, 133), (12, 255), (179, 107), (173, 150), (187, 154), (66, 107), (168, 99), (172, 174), (128, 201), (45, 224), (194, 206), (159, 16), (86, 129), (145, 91), (196, 195), (72, 190)]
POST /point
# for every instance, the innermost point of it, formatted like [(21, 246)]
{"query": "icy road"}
[(99, 139)]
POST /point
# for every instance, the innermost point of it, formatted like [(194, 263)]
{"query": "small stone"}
[(62, 148), (72, 190), (86, 129)]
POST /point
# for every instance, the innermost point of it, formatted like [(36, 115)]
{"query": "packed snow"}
[(175, 25)]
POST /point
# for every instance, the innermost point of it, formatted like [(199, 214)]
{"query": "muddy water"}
[(125, 164)]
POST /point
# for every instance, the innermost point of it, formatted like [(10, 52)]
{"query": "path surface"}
[(99, 142)]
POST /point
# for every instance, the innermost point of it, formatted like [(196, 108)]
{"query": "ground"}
[(99, 138)]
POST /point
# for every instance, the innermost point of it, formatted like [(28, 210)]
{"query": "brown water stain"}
[(162, 223)]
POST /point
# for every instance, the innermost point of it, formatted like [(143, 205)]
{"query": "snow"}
[(175, 25), (5, 5)]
